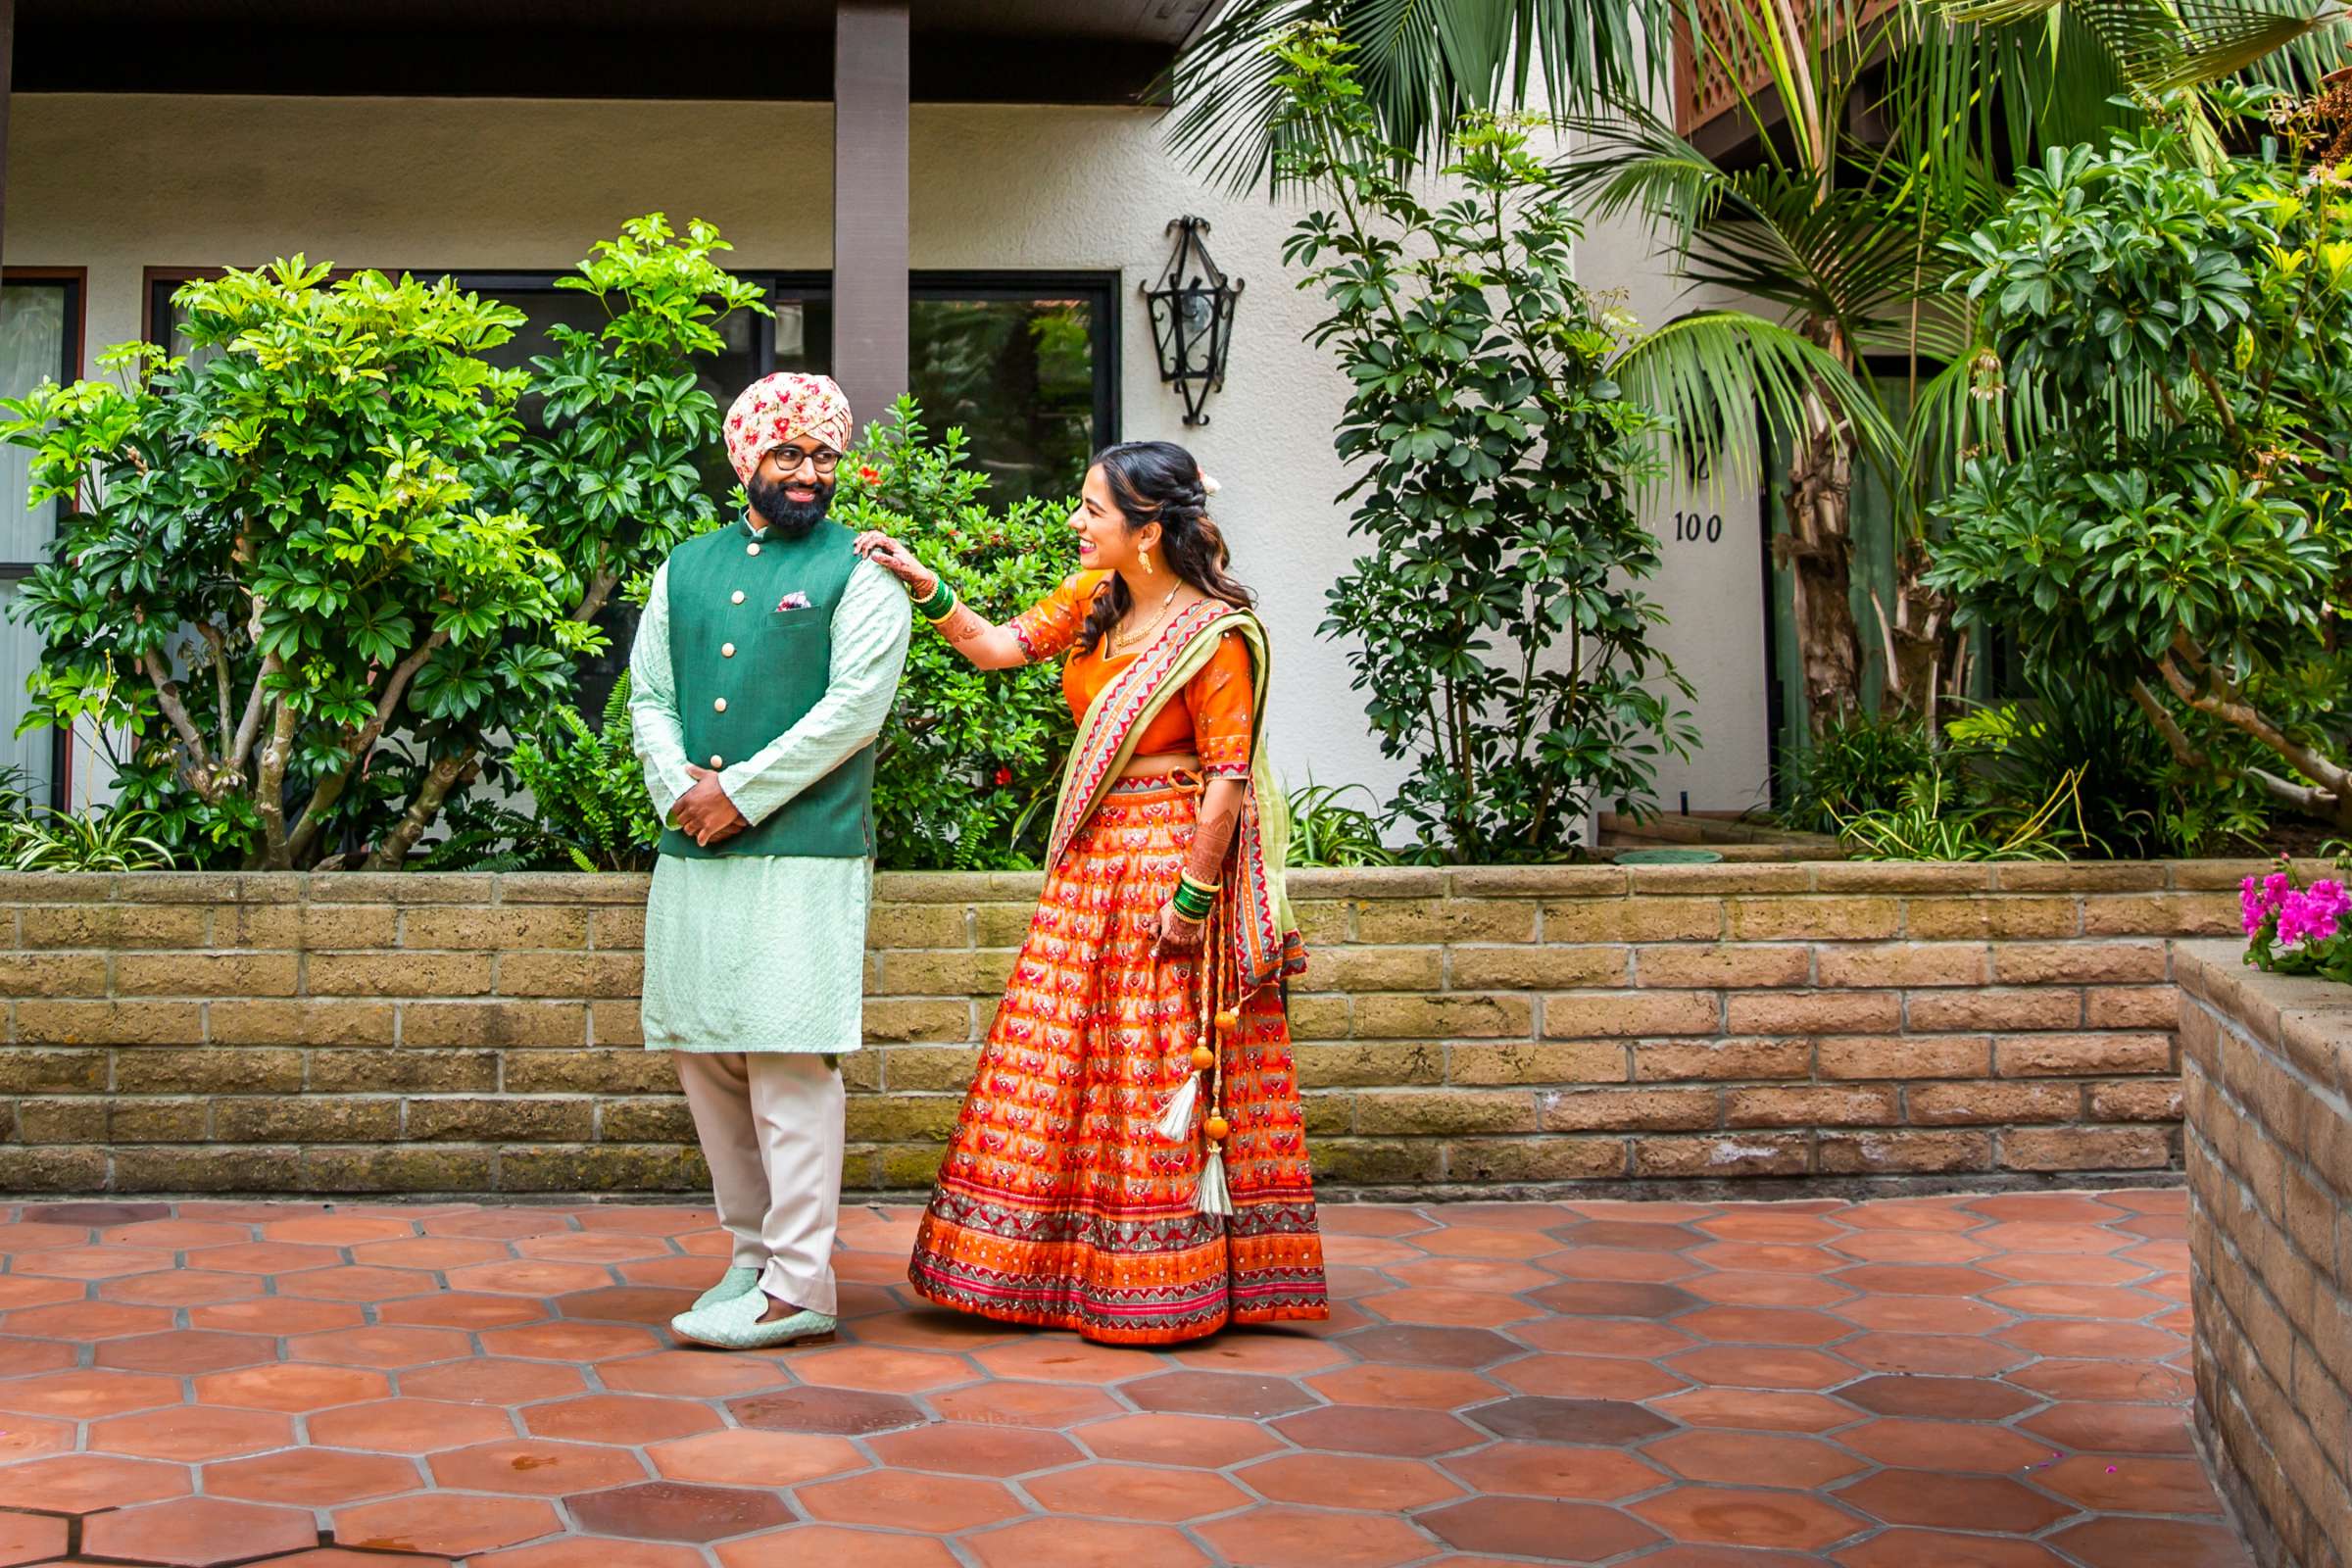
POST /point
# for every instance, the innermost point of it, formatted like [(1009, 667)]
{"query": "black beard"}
[(792, 518)]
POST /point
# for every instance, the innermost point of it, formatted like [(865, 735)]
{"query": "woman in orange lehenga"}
[(1131, 1160)]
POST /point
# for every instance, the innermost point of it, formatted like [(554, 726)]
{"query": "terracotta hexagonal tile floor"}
[(197, 1531), (1935, 1383)]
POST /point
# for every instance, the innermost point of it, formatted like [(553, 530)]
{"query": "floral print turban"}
[(774, 409)]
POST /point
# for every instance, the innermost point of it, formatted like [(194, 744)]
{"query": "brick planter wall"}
[(1483, 1030), (2268, 1076)]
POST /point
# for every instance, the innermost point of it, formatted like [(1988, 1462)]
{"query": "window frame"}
[(75, 281), (1105, 341), (1104, 288)]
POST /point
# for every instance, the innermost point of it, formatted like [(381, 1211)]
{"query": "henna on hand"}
[(964, 624), (1212, 837), (1174, 932)]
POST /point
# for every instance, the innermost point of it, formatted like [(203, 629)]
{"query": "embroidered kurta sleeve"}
[(870, 627), (1222, 701), (654, 726), (1048, 627)]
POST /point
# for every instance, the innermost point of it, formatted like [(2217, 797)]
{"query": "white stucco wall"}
[(117, 184)]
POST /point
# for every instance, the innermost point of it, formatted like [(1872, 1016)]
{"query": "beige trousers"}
[(770, 1127)]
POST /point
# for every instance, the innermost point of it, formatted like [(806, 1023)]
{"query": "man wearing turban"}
[(765, 665)]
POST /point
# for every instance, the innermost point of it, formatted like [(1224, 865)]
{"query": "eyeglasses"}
[(790, 458)]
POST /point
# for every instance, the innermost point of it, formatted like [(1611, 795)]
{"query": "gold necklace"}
[(1119, 638)]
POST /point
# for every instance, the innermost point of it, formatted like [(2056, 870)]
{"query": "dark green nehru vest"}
[(747, 670)]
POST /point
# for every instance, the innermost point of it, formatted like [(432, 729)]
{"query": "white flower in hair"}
[(1208, 485)]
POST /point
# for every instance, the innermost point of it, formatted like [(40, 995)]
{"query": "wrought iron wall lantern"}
[(1191, 319)]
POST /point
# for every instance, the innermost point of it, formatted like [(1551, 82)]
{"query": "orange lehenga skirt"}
[(1058, 1201)]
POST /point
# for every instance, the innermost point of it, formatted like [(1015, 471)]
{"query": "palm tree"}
[(1422, 64), (1831, 242), (1836, 237)]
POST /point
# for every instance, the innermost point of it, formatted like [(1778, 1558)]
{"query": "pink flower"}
[(2260, 899), (2313, 915)]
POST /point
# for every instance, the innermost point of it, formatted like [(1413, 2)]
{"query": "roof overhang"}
[(962, 51)]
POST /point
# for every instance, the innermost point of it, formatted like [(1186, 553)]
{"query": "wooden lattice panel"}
[(1707, 83)]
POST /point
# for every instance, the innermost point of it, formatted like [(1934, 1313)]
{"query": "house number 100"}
[(1690, 527)]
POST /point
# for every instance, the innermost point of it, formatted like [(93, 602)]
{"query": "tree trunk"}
[(1818, 552), (439, 779), (1923, 647), (268, 790)]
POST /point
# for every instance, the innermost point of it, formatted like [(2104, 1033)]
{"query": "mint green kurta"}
[(764, 952)]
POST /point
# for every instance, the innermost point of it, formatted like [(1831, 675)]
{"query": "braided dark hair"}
[(1158, 481)]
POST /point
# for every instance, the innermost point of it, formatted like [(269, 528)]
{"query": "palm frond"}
[(1422, 65), (1631, 161), (1949, 422), (2157, 45), (1713, 373), (1849, 256)]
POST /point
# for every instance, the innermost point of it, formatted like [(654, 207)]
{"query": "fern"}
[(588, 789)]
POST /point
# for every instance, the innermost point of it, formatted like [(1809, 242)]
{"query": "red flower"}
[(1003, 776), (870, 475)]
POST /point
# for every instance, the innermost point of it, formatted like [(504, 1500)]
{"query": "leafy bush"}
[(2167, 342), (1858, 764), (2137, 801), (619, 480), (280, 564), (968, 767), (1493, 627), (113, 839), (321, 577)]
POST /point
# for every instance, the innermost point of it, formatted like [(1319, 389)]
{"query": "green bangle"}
[(1190, 900), (939, 604)]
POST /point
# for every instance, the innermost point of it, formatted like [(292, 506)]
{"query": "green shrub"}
[(282, 585), (115, 838), (969, 764), (2165, 507), (587, 788), (2137, 801), (1932, 821), (1324, 831), (1493, 625), (1857, 764)]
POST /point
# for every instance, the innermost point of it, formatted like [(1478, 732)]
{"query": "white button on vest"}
[(715, 763), (726, 650), (719, 706), (736, 598), (752, 549)]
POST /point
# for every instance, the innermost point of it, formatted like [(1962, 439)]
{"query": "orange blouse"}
[(1213, 722)]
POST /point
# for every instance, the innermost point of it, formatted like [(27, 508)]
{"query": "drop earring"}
[(1147, 563)]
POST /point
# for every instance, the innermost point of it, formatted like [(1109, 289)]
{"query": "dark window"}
[(1027, 363), (1028, 367), (40, 338)]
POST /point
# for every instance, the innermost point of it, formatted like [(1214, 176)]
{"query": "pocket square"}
[(795, 600)]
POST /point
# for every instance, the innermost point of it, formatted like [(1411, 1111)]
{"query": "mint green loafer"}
[(733, 1283), (734, 1325)]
